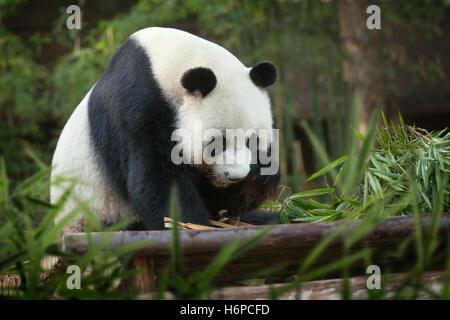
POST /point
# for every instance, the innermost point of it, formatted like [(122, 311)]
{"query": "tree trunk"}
[(362, 66)]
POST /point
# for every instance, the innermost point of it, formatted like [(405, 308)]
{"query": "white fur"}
[(236, 164), (74, 159)]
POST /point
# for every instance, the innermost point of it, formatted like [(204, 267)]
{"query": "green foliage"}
[(20, 82), (408, 170), (27, 235), (419, 20), (402, 185), (410, 156), (8, 7)]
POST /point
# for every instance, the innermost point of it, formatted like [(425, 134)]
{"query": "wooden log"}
[(8, 283), (323, 289), (284, 247), (145, 281)]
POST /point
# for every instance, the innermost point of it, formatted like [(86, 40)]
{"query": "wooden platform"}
[(285, 247), (330, 289)]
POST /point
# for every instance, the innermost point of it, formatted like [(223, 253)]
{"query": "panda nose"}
[(235, 173)]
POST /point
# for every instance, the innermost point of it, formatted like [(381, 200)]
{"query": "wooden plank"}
[(7, 283), (322, 289), (285, 236), (285, 246), (144, 281)]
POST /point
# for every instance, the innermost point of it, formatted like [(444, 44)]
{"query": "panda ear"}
[(202, 79), (263, 74)]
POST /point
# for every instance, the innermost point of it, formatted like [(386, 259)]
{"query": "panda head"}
[(231, 108)]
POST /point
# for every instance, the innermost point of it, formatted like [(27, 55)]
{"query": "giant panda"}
[(118, 143)]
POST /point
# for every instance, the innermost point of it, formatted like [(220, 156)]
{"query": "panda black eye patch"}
[(202, 79)]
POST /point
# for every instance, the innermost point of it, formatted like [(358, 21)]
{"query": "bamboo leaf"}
[(312, 193), (328, 167), (310, 204)]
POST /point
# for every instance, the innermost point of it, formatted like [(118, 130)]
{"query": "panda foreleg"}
[(149, 193), (192, 207), (151, 204)]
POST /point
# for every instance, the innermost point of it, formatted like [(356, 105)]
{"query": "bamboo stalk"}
[(186, 225), (236, 223), (220, 224), (183, 225)]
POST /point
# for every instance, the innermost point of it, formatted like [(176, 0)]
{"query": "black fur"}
[(261, 218), (131, 123), (202, 79), (263, 74)]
